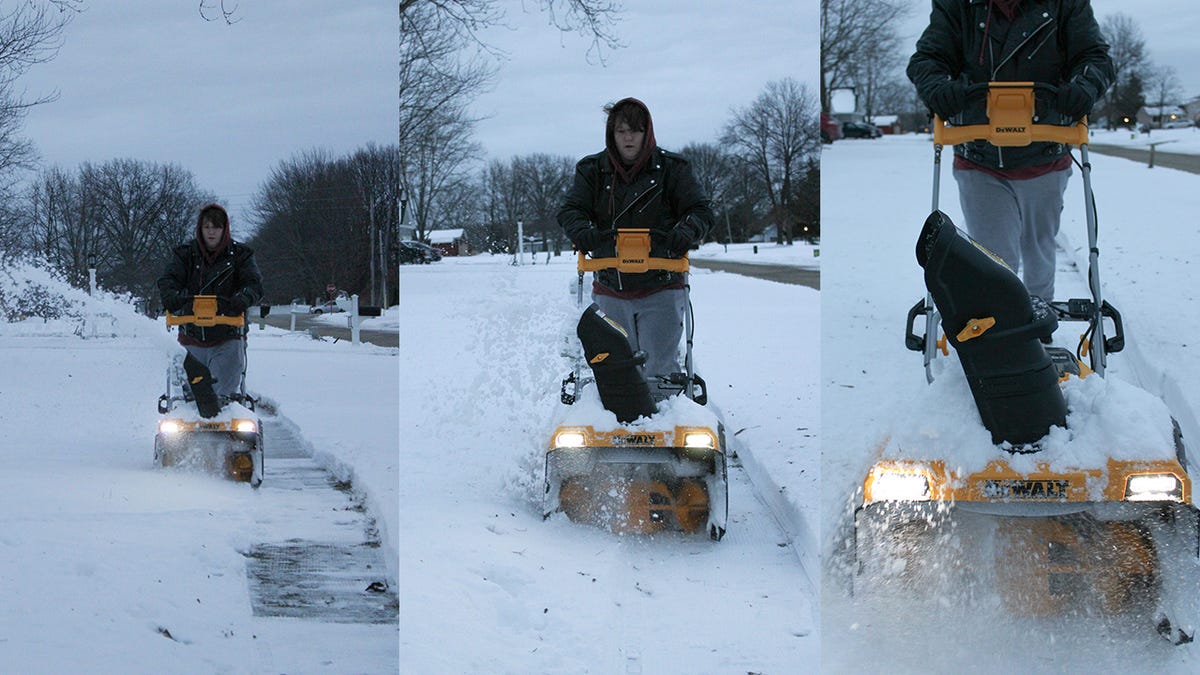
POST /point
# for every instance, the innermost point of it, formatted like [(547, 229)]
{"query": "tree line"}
[(317, 220), (862, 50)]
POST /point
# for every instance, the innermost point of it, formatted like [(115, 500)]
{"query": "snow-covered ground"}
[(1184, 141), (799, 254), (875, 197), (481, 359), (109, 564)]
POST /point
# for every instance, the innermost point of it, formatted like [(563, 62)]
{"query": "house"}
[(1150, 115), (449, 242)]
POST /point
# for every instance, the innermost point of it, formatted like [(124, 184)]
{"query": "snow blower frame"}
[(231, 444), (639, 481), (1055, 525)]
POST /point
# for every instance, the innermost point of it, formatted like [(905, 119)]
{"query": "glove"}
[(1074, 100), (592, 238), (182, 304), (949, 99), (231, 306), (681, 237)]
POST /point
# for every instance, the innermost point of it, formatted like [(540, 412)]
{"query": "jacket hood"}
[(217, 213), (627, 174)]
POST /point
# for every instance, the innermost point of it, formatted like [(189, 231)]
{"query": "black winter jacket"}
[(188, 274), (1051, 41), (661, 195)]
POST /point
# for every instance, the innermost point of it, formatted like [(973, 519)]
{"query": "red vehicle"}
[(831, 129)]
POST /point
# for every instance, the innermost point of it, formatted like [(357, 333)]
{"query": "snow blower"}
[(645, 474), (198, 429), (1113, 531)]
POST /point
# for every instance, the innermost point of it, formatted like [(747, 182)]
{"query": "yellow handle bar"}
[(204, 314), (1010, 123), (633, 255)]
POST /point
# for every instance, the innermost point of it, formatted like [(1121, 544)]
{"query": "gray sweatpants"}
[(654, 324), (1017, 220), (226, 362)]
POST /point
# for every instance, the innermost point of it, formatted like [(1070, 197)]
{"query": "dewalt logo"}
[(1047, 490), (633, 439), (1010, 130)]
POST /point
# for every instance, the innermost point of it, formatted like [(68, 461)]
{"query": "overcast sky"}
[(151, 80), (1171, 29), (690, 62)]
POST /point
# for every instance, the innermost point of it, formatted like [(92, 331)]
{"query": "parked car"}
[(860, 130), (418, 252), (326, 308), (831, 129)]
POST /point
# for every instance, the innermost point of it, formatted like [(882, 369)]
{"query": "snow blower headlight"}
[(569, 439), (699, 440), (169, 427), (1154, 487), (245, 426), (899, 486)]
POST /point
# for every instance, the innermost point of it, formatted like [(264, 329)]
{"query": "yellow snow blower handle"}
[(1010, 108), (204, 314), (633, 255)]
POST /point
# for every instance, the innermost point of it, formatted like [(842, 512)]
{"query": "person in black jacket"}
[(1012, 198), (635, 184), (213, 264)]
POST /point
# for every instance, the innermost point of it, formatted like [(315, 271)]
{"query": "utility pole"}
[(371, 255)]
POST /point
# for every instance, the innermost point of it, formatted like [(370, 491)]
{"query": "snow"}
[(875, 198), (1185, 141), (110, 564), (800, 254), (482, 359)]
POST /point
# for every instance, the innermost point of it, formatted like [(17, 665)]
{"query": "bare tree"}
[(312, 227), (30, 33), (501, 206), (140, 211), (434, 169), (878, 73), (126, 213), (1162, 90), (714, 171), (774, 136), (593, 18), (438, 73), (849, 29), (59, 226), (377, 184), (1127, 49), (543, 181)]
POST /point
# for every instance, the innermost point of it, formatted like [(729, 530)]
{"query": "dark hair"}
[(215, 215), (628, 112)]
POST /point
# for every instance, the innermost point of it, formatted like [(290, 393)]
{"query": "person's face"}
[(211, 233), (629, 142)]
